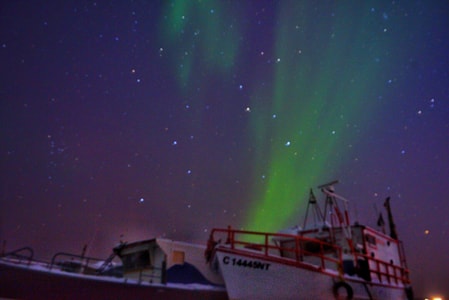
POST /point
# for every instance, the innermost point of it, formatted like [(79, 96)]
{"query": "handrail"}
[(84, 260), (379, 268), (15, 253), (296, 250), (399, 273)]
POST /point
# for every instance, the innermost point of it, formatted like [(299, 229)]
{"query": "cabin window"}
[(137, 260), (370, 239), (178, 257)]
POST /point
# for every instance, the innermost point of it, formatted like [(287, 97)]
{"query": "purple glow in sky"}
[(134, 119)]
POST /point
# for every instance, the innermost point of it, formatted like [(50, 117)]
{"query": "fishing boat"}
[(148, 269), (326, 258)]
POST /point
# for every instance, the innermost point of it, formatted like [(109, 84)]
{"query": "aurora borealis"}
[(307, 112), (319, 90), (199, 37), (129, 120)]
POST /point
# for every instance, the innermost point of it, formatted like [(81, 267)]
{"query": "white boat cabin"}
[(166, 261), (368, 254)]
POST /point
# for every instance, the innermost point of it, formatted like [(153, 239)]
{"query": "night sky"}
[(126, 120)]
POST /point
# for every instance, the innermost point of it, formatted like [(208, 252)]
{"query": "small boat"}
[(328, 258), (149, 269)]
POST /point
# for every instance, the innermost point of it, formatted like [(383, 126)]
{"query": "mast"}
[(393, 233), (343, 219), (317, 214), (331, 200)]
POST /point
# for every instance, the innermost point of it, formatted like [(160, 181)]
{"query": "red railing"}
[(280, 246), (273, 246), (383, 270)]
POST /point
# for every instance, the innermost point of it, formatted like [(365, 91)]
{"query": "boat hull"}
[(18, 281), (251, 276)]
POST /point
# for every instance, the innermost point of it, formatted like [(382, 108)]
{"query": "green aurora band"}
[(323, 80), (200, 35), (326, 77)]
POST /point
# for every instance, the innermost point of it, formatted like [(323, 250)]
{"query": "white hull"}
[(250, 276), (36, 281)]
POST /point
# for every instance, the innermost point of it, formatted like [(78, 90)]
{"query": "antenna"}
[(393, 232), (380, 218), (329, 184)]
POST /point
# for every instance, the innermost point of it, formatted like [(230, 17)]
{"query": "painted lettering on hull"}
[(245, 263)]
